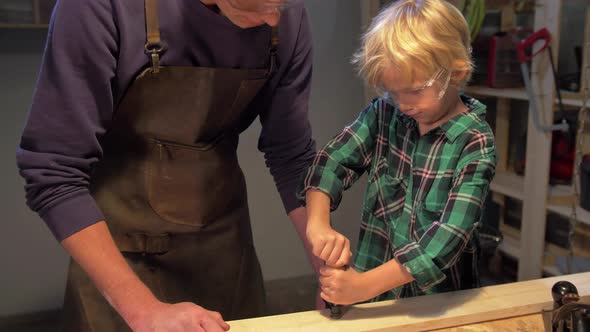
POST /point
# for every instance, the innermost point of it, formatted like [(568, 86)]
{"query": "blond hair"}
[(416, 37)]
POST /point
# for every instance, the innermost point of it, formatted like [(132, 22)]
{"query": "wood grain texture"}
[(529, 323), (427, 313)]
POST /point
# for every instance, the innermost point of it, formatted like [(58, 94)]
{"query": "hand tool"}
[(336, 310), (523, 58)]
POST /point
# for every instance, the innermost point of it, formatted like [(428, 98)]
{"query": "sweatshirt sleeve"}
[(286, 137), (72, 105)]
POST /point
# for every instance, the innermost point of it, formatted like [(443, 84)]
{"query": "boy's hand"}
[(340, 286), (328, 245)]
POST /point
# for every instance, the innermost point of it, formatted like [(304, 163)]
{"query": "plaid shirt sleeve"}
[(443, 243), (344, 159)]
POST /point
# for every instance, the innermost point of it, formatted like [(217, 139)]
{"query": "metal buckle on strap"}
[(274, 45), (154, 50), (273, 64)]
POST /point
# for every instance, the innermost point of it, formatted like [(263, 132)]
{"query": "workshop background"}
[(33, 265)]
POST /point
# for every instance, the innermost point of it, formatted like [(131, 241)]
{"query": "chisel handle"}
[(335, 309)]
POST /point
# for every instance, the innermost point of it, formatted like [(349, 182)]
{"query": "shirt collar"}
[(456, 125)]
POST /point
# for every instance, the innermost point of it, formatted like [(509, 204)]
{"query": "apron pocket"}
[(193, 185)]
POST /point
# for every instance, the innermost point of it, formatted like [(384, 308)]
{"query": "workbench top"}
[(522, 301)]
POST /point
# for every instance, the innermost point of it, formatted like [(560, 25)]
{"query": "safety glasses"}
[(427, 94)]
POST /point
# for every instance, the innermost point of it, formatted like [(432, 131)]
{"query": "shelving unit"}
[(537, 196), (527, 245), (510, 246), (36, 15), (512, 185), (574, 100)]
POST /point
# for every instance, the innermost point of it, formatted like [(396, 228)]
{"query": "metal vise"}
[(568, 315)]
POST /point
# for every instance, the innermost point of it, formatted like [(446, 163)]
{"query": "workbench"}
[(515, 306)]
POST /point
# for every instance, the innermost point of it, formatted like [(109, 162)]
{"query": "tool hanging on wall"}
[(522, 49), (563, 134)]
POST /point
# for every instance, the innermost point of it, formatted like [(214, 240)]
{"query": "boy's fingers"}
[(344, 259), (327, 250), (345, 255), (325, 283), (318, 246), (336, 252), (326, 271)]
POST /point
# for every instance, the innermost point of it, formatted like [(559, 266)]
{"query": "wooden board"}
[(529, 323), (427, 312)]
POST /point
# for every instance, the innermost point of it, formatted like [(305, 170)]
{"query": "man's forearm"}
[(299, 220), (95, 251)]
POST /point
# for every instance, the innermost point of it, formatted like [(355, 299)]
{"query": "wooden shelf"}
[(512, 185), (569, 99), (508, 184), (552, 271), (565, 211), (510, 246), (512, 93)]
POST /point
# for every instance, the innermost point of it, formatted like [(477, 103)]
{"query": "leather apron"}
[(172, 192)]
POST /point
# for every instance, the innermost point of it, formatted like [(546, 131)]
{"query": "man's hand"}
[(329, 245), (344, 286), (179, 317), (93, 248)]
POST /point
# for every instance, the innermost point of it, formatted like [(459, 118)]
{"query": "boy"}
[(429, 155)]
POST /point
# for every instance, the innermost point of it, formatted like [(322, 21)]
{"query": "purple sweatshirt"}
[(94, 50)]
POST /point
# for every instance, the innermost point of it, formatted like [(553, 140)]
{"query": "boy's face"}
[(423, 99)]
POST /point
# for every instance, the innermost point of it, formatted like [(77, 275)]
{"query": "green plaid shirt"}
[(424, 196)]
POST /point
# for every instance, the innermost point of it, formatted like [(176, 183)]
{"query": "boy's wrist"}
[(371, 283), (386, 277)]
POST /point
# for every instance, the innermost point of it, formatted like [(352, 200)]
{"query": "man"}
[(129, 153)]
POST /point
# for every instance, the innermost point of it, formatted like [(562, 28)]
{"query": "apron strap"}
[(153, 46)]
